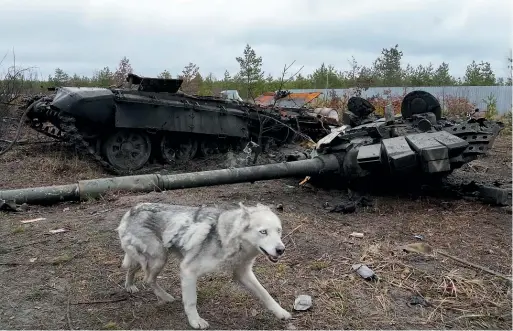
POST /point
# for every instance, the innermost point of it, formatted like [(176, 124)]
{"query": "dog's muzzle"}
[(274, 258)]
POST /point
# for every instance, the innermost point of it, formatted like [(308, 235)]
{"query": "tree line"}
[(387, 70)]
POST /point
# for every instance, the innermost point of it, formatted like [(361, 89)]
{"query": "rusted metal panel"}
[(293, 100)]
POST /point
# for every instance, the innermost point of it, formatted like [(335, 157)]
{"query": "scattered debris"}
[(291, 326), (349, 206), (356, 234), (418, 300), (8, 205), (424, 248), (32, 260), (421, 248), (304, 181), (419, 237), (33, 220), (303, 302), (58, 231), (364, 272), (296, 156), (118, 299), (477, 266), (345, 207)]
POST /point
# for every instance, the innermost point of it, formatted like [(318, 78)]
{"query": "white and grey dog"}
[(207, 239)]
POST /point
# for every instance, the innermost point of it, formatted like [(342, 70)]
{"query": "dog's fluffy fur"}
[(207, 239)]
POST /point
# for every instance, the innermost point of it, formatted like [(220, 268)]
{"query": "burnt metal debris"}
[(417, 143), (122, 128)]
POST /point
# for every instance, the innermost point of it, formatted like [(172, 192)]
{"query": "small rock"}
[(303, 302), (356, 234), (364, 271), (279, 207), (24, 207), (58, 231), (66, 209), (422, 248), (418, 300), (419, 237), (6, 205), (291, 326)]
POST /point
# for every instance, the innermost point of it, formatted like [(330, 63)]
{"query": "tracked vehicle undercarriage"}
[(123, 128)]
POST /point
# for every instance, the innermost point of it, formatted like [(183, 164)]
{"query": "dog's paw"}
[(167, 298), (198, 323), (131, 289), (282, 314)]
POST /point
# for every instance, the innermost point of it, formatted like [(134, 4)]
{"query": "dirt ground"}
[(73, 279)]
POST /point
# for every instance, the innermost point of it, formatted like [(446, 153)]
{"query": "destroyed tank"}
[(419, 142), (122, 128), (416, 141)]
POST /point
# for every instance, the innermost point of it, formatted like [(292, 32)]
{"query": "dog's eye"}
[(263, 231)]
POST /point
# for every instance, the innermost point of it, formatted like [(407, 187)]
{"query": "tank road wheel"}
[(209, 146), (177, 149), (224, 145), (127, 150)]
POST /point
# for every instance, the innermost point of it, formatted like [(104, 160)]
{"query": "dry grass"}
[(414, 291), (47, 163), (318, 262)]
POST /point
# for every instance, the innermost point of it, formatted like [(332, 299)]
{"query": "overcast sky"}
[(81, 36)]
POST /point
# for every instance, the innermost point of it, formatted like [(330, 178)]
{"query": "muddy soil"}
[(73, 279)]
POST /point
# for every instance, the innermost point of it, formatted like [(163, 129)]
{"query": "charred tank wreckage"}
[(418, 143), (122, 128)]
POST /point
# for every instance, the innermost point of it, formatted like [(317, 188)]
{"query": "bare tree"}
[(13, 82), (268, 123)]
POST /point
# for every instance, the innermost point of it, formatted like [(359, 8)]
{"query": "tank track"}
[(66, 131), (67, 124), (63, 128)]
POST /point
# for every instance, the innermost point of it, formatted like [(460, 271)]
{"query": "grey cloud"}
[(50, 38), (415, 36)]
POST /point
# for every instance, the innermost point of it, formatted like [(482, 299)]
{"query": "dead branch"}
[(282, 78), (101, 301), (18, 132), (68, 314), (267, 118), (12, 85), (289, 127), (477, 266)]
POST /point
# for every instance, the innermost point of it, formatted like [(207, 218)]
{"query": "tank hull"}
[(123, 129)]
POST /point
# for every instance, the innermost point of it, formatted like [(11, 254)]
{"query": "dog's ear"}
[(245, 216), (261, 206), (244, 208)]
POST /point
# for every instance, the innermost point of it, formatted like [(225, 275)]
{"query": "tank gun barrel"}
[(86, 189)]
